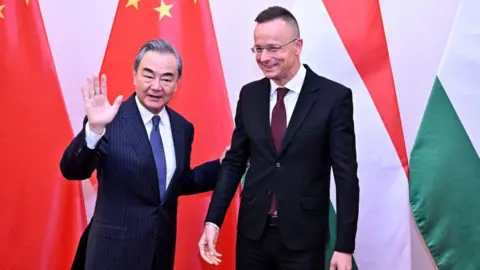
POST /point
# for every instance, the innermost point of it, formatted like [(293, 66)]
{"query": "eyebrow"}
[(147, 70), (169, 74)]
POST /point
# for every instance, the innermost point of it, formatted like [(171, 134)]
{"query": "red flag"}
[(42, 215), (201, 98)]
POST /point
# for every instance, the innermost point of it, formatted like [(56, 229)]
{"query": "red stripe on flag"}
[(42, 214), (360, 26), (203, 99)]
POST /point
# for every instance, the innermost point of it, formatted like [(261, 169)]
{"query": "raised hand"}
[(99, 111)]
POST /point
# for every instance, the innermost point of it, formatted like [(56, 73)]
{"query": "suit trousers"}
[(270, 253)]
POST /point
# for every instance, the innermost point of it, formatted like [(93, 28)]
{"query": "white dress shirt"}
[(290, 100), (165, 131)]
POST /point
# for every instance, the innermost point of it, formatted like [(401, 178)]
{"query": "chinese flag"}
[(201, 98), (41, 214)]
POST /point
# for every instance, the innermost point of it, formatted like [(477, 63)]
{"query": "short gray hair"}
[(161, 46)]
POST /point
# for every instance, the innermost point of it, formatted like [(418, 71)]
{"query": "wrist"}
[(210, 224), (97, 129)]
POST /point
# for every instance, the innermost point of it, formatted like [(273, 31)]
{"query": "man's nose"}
[(264, 56), (156, 85)]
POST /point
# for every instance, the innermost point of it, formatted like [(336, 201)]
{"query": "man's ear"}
[(299, 46)]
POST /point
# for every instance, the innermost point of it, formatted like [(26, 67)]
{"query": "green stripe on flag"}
[(333, 237), (333, 233), (445, 185)]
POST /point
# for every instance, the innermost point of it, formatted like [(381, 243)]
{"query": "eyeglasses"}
[(270, 49)]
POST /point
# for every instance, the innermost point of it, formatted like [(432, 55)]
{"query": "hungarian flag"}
[(389, 52), (351, 49), (41, 214), (445, 163), (201, 98)]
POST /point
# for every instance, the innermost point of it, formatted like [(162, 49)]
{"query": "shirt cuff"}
[(91, 137), (214, 225)]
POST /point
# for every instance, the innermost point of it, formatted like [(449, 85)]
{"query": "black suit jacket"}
[(320, 135), (130, 223)]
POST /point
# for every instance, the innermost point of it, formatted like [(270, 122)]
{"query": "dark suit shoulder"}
[(333, 84), (253, 86), (178, 117), (333, 87)]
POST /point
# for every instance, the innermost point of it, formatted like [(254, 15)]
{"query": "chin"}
[(154, 107)]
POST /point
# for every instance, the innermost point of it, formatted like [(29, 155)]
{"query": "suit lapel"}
[(135, 129), (306, 100), (264, 114), (178, 134)]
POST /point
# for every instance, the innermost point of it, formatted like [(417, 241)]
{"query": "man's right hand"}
[(206, 245), (99, 111)]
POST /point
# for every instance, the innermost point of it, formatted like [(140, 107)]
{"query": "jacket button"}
[(277, 165)]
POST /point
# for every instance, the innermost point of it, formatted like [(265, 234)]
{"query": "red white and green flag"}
[(445, 163), (416, 214)]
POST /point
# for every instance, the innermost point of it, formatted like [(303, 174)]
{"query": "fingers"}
[(103, 87), (212, 254), (202, 247), (85, 93), (96, 84), (94, 87), (207, 250), (333, 264), (91, 88), (118, 102)]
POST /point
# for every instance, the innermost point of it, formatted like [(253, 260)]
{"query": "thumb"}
[(118, 102), (333, 265)]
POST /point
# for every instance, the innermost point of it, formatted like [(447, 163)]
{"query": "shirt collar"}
[(147, 115), (295, 84)]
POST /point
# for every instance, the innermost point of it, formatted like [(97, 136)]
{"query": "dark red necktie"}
[(279, 127)]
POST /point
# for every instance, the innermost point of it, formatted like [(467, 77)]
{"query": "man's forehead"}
[(159, 64), (277, 27)]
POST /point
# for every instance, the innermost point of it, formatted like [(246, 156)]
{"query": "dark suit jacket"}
[(320, 135), (130, 223)]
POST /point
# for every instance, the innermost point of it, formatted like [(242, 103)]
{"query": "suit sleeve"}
[(203, 177), (344, 159), (79, 160), (232, 169)]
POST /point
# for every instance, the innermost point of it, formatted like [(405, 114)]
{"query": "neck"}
[(288, 75)]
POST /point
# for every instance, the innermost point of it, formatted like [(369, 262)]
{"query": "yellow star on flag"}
[(164, 10), (1, 8), (27, 1), (131, 3), (195, 1)]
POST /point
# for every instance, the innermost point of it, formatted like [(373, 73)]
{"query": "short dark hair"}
[(276, 12)]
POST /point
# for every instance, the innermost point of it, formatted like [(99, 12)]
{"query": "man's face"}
[(156, 80), (277, 48)]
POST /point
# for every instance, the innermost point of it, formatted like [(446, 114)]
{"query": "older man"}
[(141, 151)]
